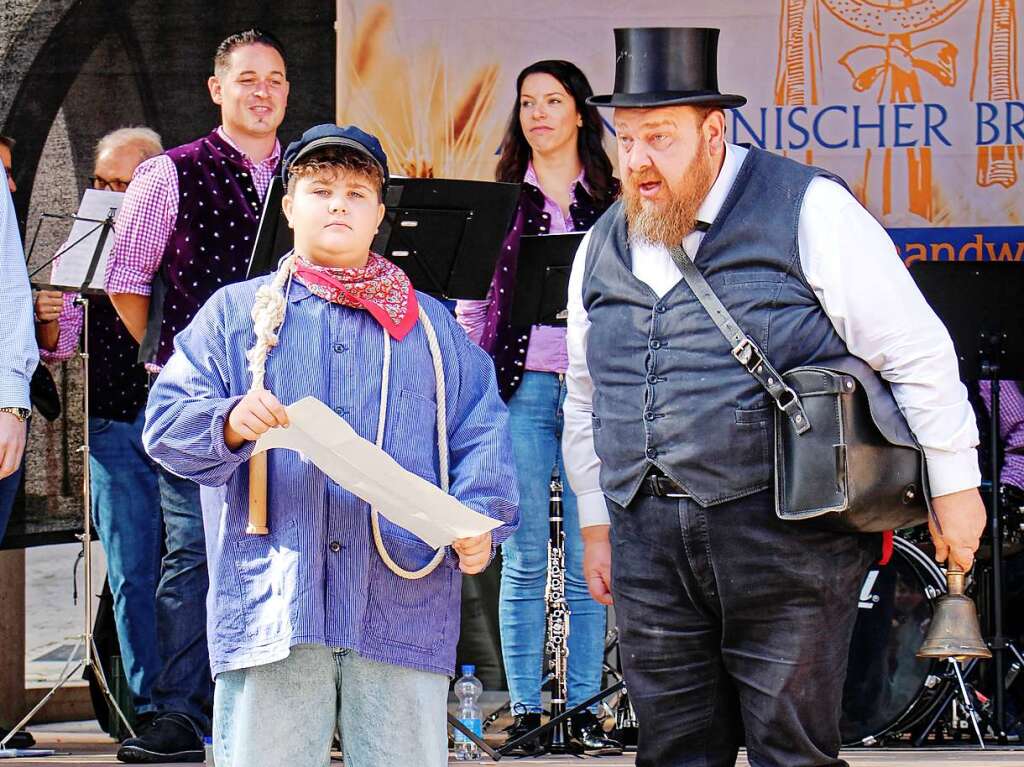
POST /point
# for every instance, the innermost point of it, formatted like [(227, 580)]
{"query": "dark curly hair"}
[(515, 151)]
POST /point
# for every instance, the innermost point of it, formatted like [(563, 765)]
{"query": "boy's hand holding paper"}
[(256, 413), (365, 470), (474, 553)]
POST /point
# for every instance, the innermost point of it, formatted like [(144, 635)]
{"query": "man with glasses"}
[(123, 480), (117, 155)]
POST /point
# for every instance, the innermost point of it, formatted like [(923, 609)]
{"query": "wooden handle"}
[(258, 495)]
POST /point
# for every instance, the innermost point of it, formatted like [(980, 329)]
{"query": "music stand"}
[(86, 638), (273, 237), (980, 304), (446, 233), (542, 278)]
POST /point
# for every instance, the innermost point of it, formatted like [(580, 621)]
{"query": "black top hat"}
[(666, 66)]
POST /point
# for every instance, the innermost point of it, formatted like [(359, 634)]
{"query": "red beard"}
[(668, 220)]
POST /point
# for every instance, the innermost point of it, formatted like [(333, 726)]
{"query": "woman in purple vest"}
[(553, 147)]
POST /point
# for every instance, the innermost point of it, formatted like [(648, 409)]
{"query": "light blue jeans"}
[(535, 421), (286, 713)]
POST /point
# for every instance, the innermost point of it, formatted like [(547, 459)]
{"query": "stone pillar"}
[(12, 636)]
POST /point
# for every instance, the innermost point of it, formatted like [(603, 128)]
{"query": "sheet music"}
[(73, 266)]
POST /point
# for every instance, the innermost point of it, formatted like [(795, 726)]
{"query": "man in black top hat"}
[(734, 624)]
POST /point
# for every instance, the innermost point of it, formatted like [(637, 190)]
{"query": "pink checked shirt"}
[(547, 351), (70, 322), (148, 215)]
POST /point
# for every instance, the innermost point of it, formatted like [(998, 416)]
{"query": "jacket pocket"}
[(412, 432), (752, 425), (410, 613), (267, 567), (749, 278)]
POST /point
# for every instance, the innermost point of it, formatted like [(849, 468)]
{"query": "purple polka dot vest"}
[(504, 341), (218, 215)]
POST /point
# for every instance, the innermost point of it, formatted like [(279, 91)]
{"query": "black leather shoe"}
[(168, 738), (586, 736), (522, 724), (21, 739)]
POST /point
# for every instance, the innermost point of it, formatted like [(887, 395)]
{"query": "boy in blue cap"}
[(337, 618)]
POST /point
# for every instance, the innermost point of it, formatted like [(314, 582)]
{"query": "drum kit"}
[(892, 692)]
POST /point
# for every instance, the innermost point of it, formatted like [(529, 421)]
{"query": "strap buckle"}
[(789, 403), (747, 354)]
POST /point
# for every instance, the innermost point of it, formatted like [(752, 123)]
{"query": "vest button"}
[(660, 308), (339, 348), (335, 547), (655, 344), (648, 416), (652, 379), (652, 453)]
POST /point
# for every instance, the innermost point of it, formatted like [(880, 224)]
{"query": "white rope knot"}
[(268, 312)]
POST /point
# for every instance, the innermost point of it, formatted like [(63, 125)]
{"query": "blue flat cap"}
[(331, 135)]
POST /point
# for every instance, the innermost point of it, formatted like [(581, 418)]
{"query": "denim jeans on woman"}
[(535, 421)]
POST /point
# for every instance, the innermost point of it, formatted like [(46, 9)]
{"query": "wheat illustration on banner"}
[(434, 120)]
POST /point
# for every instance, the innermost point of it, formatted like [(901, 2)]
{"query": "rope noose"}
[(268, 315), (442, 445)]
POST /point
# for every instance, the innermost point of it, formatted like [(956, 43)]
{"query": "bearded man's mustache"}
[(673, 216)]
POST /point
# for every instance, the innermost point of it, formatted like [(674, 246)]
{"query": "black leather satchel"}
[(845, 457)]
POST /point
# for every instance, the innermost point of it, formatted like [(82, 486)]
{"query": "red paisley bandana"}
[(380, 287)]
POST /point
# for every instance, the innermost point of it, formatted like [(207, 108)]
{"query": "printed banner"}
[(915, 103)]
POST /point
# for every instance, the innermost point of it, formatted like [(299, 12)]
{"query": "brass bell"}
[(954, 631)]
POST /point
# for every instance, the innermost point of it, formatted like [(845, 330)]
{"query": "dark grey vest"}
[(667, 390)]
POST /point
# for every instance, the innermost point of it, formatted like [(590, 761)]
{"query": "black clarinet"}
[(557, 642)]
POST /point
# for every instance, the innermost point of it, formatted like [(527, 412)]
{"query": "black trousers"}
[(734, 628)]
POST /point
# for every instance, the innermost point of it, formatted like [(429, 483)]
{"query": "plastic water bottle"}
[(468, 690), (208, 748)]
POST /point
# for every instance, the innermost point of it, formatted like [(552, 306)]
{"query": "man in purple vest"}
[(186, 228)]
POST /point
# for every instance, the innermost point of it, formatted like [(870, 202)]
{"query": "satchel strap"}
[(744, 349)]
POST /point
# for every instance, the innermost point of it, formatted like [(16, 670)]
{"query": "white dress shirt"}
[(853, 267)]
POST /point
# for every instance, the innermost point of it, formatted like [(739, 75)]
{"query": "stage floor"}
[(84, 744)]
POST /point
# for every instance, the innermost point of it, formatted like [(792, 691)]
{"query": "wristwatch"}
[(20, 413)]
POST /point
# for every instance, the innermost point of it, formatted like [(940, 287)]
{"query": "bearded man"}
[(734, 625)]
